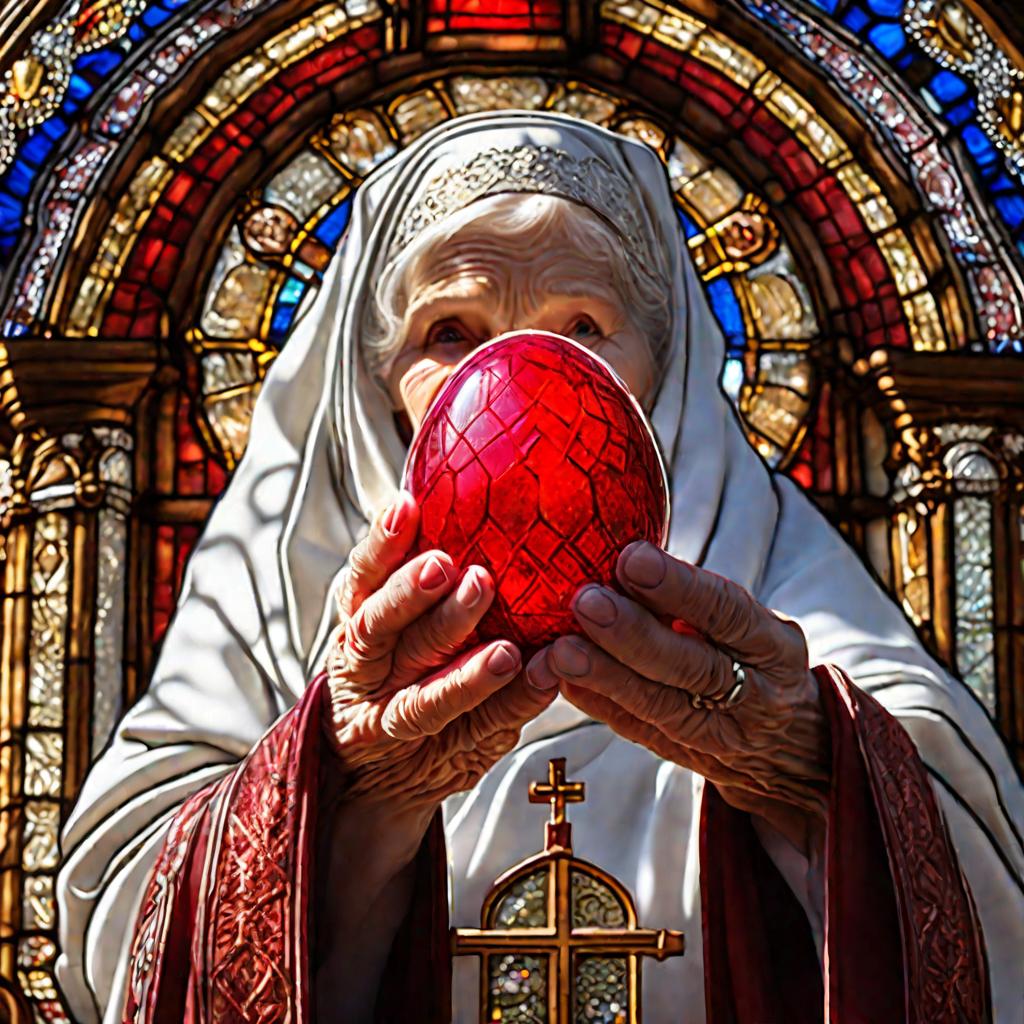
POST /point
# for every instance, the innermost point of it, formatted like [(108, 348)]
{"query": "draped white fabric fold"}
[(324, 455)]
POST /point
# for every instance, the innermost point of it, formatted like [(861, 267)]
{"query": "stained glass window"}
[(282, 240)]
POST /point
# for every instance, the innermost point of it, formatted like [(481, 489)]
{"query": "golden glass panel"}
[(49, 580), (711, 194), (910, 540), (360, 141), (38, 907), (38, 984), (44, 758), (643, 130), (790, 370), (236, 309), (303, 185), (132, 211), (471, 93), (39, 850), (108, 631), (245, 76), (414, 114), (638, 15), (926, 333), (867, 196), (903, 261), (229, 416), (776, 308), (586, 104), (186, 137), (800, 116), (775, 406), (684, 163), (738, 64)]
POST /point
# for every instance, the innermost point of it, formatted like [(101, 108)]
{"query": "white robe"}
[(323, 455)]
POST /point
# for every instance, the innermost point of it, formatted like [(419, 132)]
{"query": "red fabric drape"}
[(225, 932), (902, 943)]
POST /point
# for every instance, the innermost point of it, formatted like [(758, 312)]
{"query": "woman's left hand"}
[(768, 752)]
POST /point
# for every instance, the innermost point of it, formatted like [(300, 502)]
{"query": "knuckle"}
[(359, 560), (400, 720), (359, 632)]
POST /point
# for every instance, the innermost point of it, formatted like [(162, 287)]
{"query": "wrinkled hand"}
[(413, 716), (769, 752)]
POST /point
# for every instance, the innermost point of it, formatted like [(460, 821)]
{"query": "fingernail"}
[(432, 575), (469, 592), (394, 518), (539, 674), (503, 660), (571, 657), (644, 565), (595, 605)]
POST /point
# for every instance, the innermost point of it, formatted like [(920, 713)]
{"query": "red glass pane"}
[(494, 16)]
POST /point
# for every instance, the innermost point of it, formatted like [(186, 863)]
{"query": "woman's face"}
[(469, 290)]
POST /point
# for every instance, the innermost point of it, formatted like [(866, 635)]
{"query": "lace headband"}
[(588, 181)]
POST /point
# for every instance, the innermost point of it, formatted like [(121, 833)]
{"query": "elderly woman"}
[(265, 841)]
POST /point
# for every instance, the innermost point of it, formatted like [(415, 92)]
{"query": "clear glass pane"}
[(594, 904), (109, 630), (517, 989), (972, 543), (525, 905), (602, 991)]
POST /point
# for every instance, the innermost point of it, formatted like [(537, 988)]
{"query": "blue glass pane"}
[(946, 87), (856, 19), (79, 89), (889, 39), (689, 227), (1012, 209), (979, 146), (288, 299), (826, 5), (19, 179), (155, 16), (727, 312), (332, 227), (36, 150), (100, 62), (887, 8), (961, 113)]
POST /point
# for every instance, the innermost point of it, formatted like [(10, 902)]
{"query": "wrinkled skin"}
[(414, 715), (768, 753)]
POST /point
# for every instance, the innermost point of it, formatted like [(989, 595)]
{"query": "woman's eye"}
[(447, 333), (584, 329)]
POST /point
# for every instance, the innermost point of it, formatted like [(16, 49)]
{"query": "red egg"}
[(536, 462)]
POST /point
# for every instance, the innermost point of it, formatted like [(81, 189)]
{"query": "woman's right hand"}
[(412, 716)]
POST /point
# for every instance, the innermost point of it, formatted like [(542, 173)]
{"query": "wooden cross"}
[(557, 792)]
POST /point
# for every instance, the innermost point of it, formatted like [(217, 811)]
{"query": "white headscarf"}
[(324, 455)]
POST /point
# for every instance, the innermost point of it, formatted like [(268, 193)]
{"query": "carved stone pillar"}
[(955, 526), (65, 494)]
